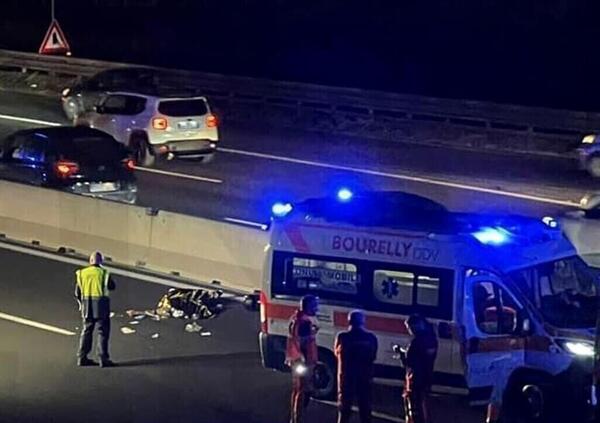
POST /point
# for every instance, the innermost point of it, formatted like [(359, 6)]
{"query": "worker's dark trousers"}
[(415, 406), (87, 334), (358, 389)]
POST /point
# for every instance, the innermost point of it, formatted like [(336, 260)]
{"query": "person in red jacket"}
[(302, 354), (356, 351), (418, 361)]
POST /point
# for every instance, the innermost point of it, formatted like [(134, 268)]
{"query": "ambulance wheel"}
[(325, 376)]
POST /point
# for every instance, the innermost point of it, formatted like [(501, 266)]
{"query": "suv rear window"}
[(180, 108), (93, 150)]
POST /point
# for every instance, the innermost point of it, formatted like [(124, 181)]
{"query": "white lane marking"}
[(34, 324), (116, 271), (398, 176), (28, 120), (376, 414), (403, 177), (247, 223), (179, 175)]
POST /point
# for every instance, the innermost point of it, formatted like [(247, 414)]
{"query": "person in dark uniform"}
[(356, 350), (92, 287), (302, 354), (418, 360)]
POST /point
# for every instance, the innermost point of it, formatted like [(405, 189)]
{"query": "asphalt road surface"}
[(256, 167), (174, 376)]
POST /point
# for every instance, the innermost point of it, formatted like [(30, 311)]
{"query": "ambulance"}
[(508, 295)]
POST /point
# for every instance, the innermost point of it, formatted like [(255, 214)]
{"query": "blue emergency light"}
[(344, 195), (281, 209), (492, 236)]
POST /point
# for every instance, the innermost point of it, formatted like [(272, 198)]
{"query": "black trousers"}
[(87, 335), (354, 389)]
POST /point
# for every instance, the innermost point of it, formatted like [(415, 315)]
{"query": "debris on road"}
[(112, 314), (134, 322), (207, 333), (193, 327), (155, 336), (125, 330), (184, 303)]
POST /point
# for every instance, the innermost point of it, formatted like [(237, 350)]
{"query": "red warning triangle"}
[(55, 41)]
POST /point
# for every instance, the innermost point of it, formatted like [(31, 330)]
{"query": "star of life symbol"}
[(390, 288)]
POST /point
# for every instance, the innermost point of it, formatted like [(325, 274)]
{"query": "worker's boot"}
[(84, 361), (107, 363)]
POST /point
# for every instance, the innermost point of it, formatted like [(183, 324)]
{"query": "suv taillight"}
[(64, 168), (129, 164), (160, 123), (211, 121), (264, 324)]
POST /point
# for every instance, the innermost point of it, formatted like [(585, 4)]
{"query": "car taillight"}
[(211, 121), (160, 123), (264, 324), (64, 168), (129, 164)]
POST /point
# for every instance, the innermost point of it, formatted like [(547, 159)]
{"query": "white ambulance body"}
[(506, 294)]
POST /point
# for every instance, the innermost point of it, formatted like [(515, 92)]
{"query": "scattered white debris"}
[(155, 336), (112, 314), (193, 327), (207, 333), (34, 85), (127, 330), (140, 317), (134, 322)]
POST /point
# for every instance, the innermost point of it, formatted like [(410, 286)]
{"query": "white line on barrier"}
[(247, 223), (34, 324), (398, 176), (376, 414), (179, 175), (404, 177), (28, 120)]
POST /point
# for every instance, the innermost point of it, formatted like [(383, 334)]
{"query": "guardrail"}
[(362, 105)]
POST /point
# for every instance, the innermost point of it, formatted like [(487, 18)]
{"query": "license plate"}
[(187, 125), (104, 186)]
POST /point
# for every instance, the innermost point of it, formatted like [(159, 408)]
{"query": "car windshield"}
[(180, 108), (564, 291)]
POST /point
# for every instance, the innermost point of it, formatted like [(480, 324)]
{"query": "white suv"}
[(151, 126)]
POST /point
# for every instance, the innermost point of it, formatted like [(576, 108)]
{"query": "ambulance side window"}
[(496, 313)]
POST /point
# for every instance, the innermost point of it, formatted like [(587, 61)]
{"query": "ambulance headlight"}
[(492, 236), (344, 195), (589, 139), (281, 209), (300, 369), (581, 349)]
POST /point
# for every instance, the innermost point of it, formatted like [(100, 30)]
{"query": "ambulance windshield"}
[(563, 290)]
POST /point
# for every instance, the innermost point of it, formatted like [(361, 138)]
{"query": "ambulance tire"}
[(530, 399), (325, 376)]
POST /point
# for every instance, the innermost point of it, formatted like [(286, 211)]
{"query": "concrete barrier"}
[(195, 248)]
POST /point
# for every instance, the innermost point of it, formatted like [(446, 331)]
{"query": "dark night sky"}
[(523, 51)]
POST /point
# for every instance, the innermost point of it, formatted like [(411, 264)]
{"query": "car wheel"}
[(593, 166), (143, 155), (325, 377)]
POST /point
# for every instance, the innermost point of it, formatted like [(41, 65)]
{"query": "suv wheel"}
[(593, 166), (143, 155)]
